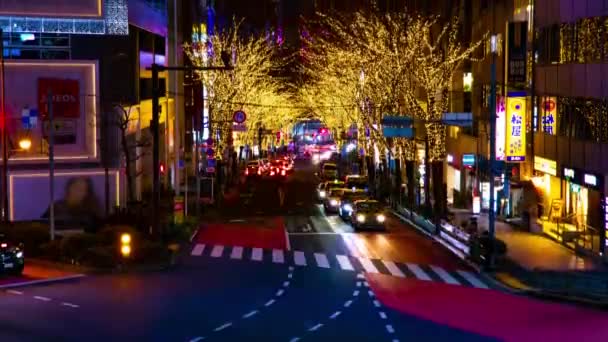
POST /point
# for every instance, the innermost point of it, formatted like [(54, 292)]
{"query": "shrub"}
[(150, 252), (74, 247), (51, 250), (180, 232), (101, 256), (32, 234)]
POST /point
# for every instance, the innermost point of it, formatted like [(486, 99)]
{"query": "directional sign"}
[(457, 119), (400, 121), (397, 132), (239, 117)]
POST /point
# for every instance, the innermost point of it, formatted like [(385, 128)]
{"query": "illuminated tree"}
[(375, 63), (251, 86)]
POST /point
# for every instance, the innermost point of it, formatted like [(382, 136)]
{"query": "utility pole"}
[(492, 161), (49, 103), (4, 199), (154, 126)]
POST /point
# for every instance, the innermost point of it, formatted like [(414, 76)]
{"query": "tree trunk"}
[(439, 194), (128, 170), (410, 168)]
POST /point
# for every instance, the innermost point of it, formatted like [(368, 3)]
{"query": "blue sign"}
[(211, 163), (239, 117), (468, 159), (457, 119), (398, 132), (401, 121)]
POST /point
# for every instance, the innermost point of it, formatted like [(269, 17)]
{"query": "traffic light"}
[(125, 245)]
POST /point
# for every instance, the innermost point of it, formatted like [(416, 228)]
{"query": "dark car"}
[(325, 187), (11, 257), (348, 200), (368, 214), (277, 168), (331, 202), (253, 169)]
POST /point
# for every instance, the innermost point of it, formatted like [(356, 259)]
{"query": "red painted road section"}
[(267, 234), (35, 272), (490, 313)]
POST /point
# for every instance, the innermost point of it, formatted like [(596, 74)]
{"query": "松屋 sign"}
[(549, 115), (516, 129)]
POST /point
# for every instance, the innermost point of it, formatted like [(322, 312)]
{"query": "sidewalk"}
[(533, 251)]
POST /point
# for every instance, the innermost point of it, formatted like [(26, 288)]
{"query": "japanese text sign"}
[(516, 129), (549, 115)]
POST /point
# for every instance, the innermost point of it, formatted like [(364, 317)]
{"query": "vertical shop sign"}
[(500, 128), (516, 129), (517, 50), (549, 115)]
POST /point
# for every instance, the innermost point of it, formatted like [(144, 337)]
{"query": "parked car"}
[(331, 203), (348, 200), (356, 182), (368, 214), (11, 257)]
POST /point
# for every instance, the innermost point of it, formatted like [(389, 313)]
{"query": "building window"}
[(583, 119)]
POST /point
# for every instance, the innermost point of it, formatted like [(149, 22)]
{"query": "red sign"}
[(65, 97)]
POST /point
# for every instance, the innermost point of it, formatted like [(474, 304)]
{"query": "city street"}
[(288, 274)]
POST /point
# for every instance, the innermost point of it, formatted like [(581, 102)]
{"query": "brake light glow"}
[(259, 172), (282, 172), (246, 172), (4, 245)]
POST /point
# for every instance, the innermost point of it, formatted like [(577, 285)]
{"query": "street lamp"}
[(25, 144)]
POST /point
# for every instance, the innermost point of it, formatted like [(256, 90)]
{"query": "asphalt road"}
[(266, 272)]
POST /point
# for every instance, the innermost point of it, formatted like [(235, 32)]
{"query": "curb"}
[(42, 281)]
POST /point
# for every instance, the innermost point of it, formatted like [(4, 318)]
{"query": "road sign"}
[(210, 141), (211, 163), (457, 119), (239, 117), (397, 121), (397, 132), (239, 128)]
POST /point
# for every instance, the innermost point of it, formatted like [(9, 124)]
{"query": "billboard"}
[(516, 129), (52, 8), (549, 115), (500, 128), (65, 95)]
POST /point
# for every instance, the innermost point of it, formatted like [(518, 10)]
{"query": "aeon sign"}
[(65, 96)]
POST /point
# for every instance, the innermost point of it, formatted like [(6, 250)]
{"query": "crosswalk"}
[(340, 262)]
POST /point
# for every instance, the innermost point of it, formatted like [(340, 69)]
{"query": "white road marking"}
[(356, 293), (344, 263), (360, 276), (217, 251), (277, 256), (472, 279), (445, 276), (335, 314), (376, 303), (348, 303), (368, 265), (285, 283), (269, 303), (316, 327), (44, 299), (295, 339), (299, 258), (256, 254), (291, 268), (363, 251), (197, 339), (70, 305), (290, 275), (358, 284), (418, 272), (223, 326), (391, 267), (390, 329), (321, 260), (370, 293), (280, 293), (249, 314), (366, 284), (198, 249), (237, 253), (15, 292), (382, 315), (350, 245)]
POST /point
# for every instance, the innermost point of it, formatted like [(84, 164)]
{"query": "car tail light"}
[(246, 172), (4, 245), (259, 172), (272, 173), (282, 172)]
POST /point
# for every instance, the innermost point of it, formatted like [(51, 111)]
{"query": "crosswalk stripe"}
[(391, 267), (472, 279), (321, 260), (237, 253), (368, 265), (217, 251), (445, 276), (277, 256), (418, 272), (299, 259), (256, 254), (198, 249), (344, 263), (352, 249)]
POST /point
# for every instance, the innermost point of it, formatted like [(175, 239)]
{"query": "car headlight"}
[(322, 194), (19, 255), (360, 218), (380, 218), (333, 202), (347, 207)]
